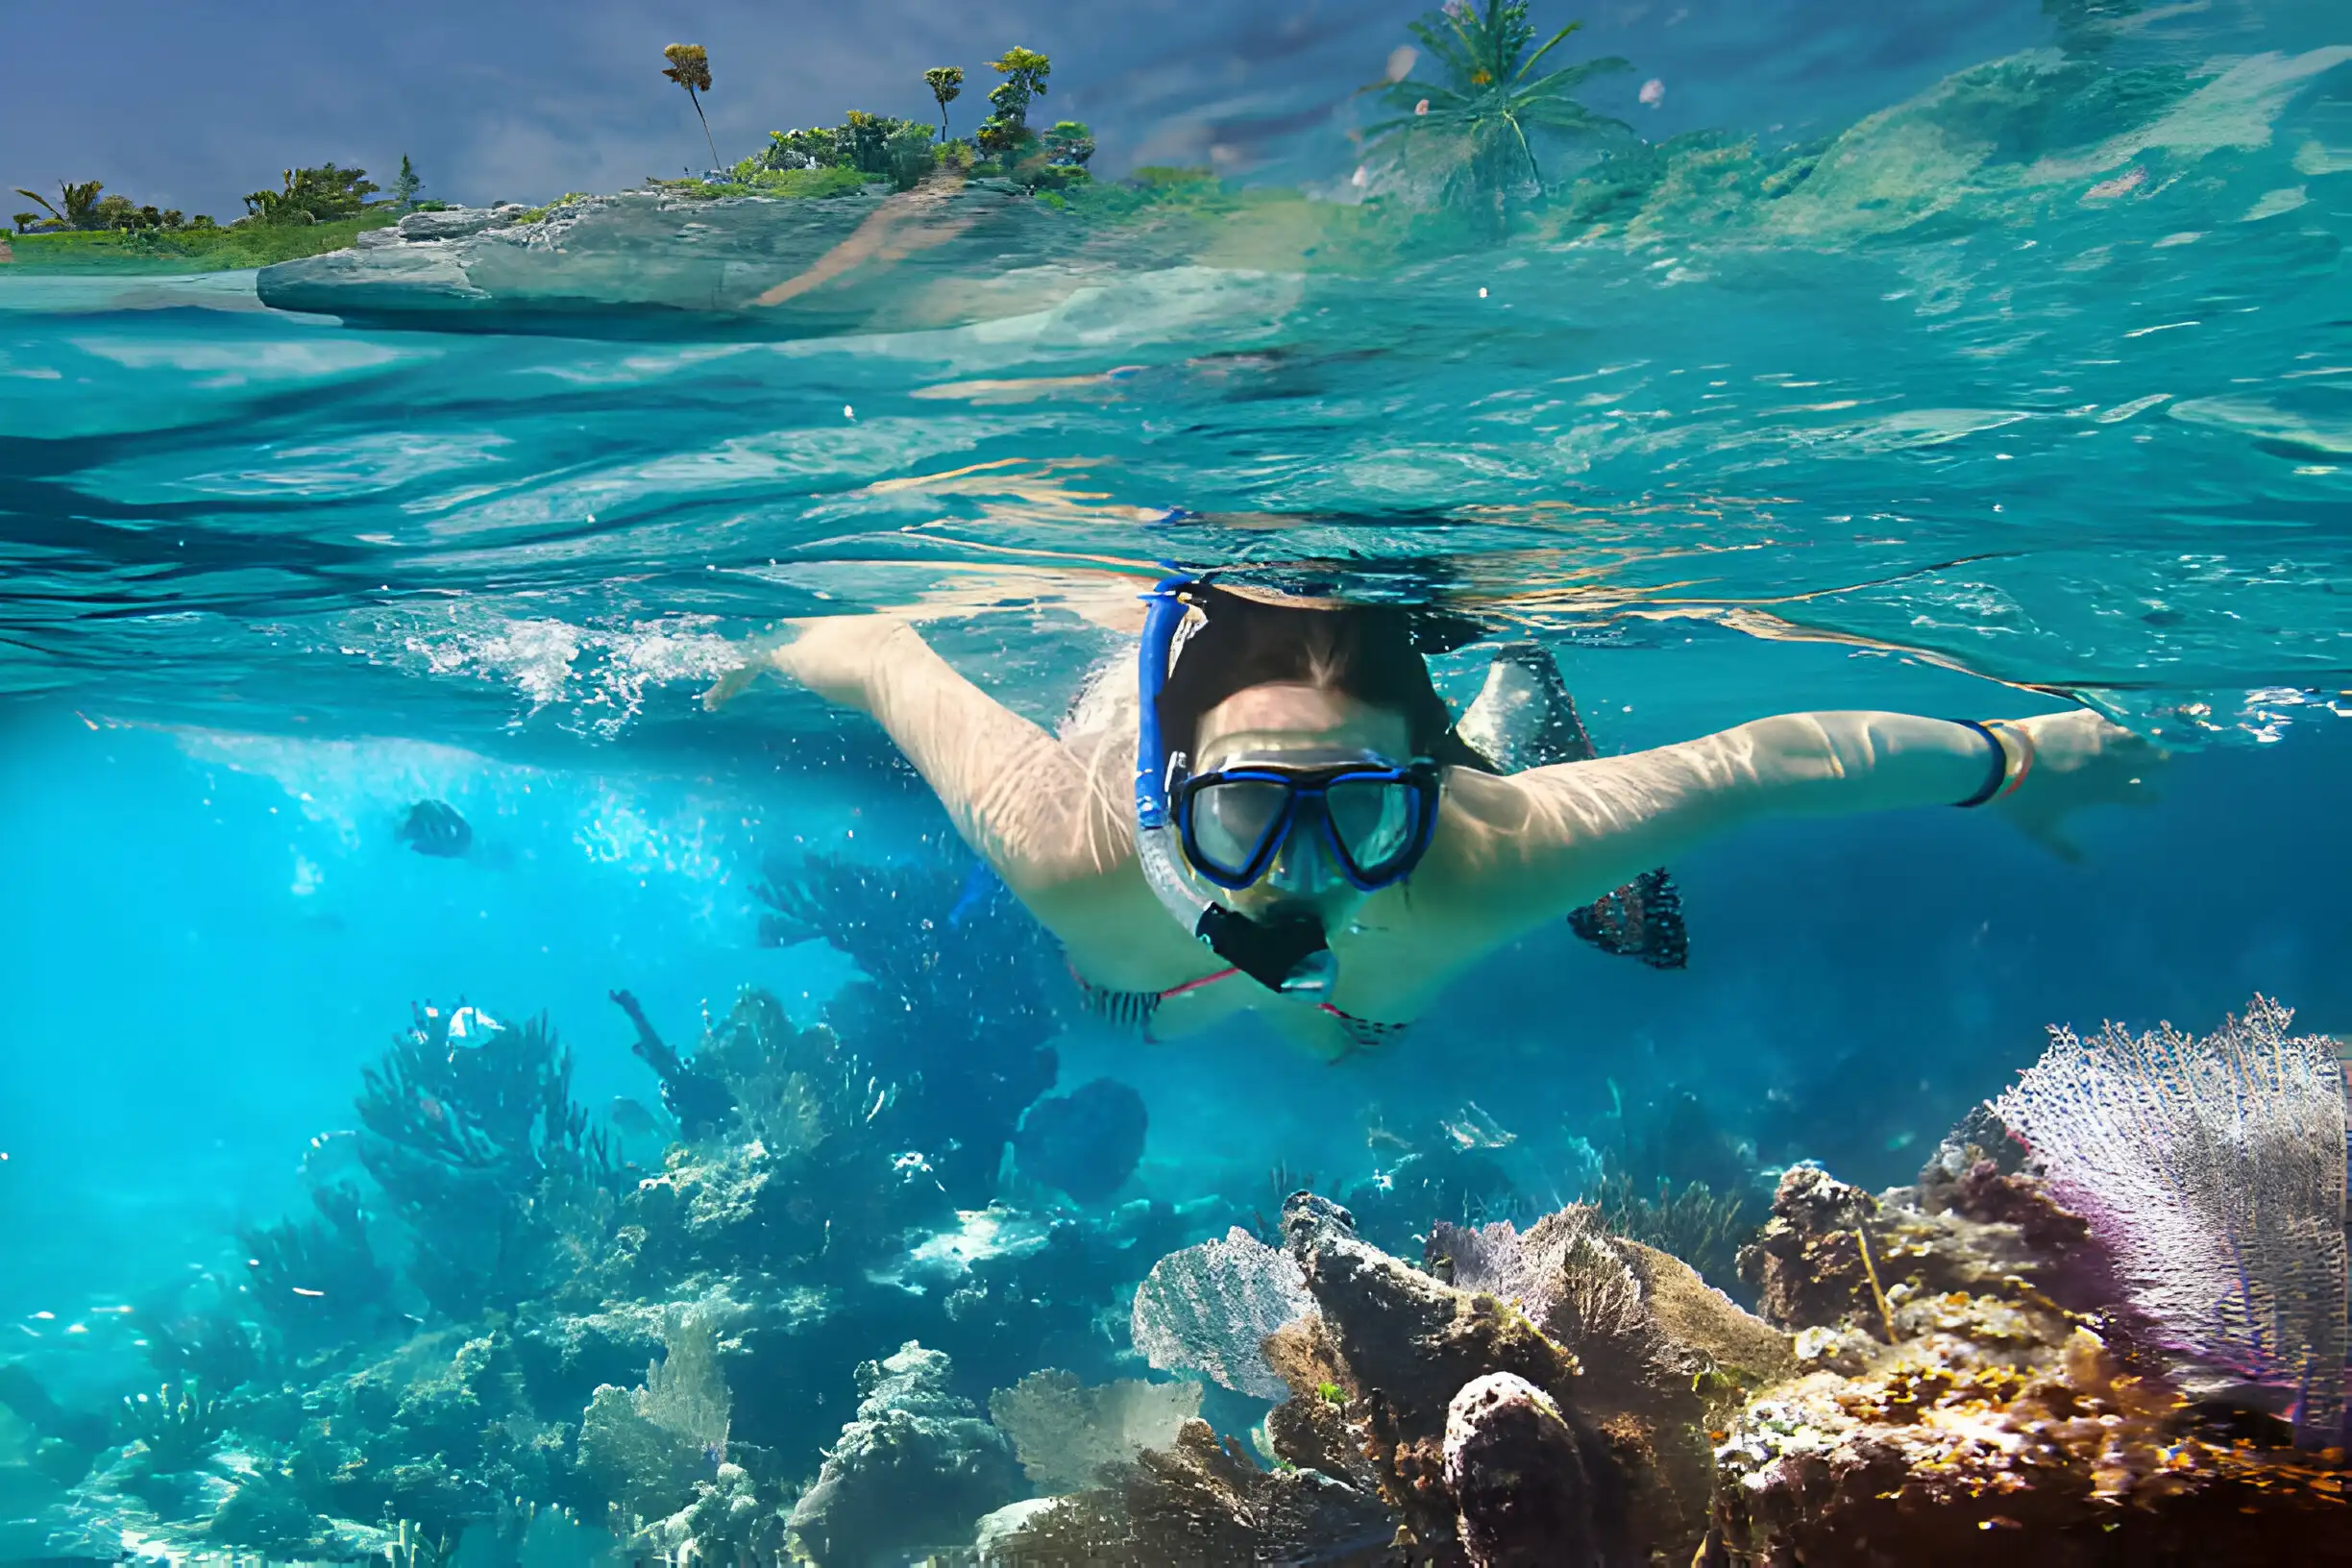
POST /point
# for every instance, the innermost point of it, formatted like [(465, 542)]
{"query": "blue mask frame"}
[(1307, 790)]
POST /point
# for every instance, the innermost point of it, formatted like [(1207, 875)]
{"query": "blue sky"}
[(191, 102)]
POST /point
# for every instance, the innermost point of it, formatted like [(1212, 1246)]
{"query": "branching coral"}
[(318, 1280), (1696, 1224), (178, 1428), (687, 1392), (953, 1011), (792, 1089), (473, 1134), (700, 1103), (811, 1165), (2213, 1171)]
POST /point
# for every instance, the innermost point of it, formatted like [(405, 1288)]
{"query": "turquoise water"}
[(2032, 389)]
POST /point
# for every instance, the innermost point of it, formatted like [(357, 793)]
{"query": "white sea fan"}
[(2214, 1171), (1209, 1310)]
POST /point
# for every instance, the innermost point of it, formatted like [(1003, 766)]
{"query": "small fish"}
[(632, 1118), (435, 828), (331, 1157), (472, 1022)]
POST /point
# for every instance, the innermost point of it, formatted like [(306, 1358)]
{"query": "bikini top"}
[(1134, 1009)]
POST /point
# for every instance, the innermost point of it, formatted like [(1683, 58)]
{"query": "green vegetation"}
[(1470, 131), (326, 195), (205, 248), (882, 147), (314, 209), (946, 84), (1005, 134), (689, 68), (80, 207)]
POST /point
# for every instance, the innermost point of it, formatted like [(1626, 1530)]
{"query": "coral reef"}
[(917, 1468), (1413, 1407), (491, 1339), (494, 1343), (1941, 1365), (1958, 1382)]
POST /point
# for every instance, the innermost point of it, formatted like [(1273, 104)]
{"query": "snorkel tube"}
[(1289, 955)]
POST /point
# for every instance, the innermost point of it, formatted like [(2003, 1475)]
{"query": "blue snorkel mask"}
[(1363, 820)]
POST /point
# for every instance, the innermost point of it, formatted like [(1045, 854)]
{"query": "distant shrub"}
[(318, 195)]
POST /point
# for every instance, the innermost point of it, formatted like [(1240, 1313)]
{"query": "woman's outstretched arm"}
[(1540, 844), (1025, 802)]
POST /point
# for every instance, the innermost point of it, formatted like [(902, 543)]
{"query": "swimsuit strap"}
[(1135, 1008), (1362, 1034)]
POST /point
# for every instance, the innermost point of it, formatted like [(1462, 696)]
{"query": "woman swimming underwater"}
[(1283, 815)]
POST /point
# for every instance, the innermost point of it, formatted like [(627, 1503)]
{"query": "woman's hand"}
[(2079, 759), (833, 655)]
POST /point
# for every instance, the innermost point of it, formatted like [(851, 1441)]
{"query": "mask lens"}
[(1374, 820), (1232, 821)]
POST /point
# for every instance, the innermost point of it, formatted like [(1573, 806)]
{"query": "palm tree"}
[(689, 68), (81, 208), (947, 84), (1024, 72), (1492, 94)]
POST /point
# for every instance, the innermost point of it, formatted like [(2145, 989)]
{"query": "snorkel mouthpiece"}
[(1288, 954)]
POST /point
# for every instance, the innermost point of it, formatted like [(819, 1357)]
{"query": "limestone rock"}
[(456, 222), (759, 266)]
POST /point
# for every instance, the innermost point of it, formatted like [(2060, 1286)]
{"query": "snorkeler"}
[(1280, 813)]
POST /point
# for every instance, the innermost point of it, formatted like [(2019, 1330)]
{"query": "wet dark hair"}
[(1372, 652)]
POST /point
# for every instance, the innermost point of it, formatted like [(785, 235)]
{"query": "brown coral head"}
[(1518, 1477)]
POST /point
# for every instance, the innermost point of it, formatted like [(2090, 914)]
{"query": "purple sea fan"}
[(2213, 1171)]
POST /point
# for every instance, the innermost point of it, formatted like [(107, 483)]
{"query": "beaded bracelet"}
[(2025, 739)]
